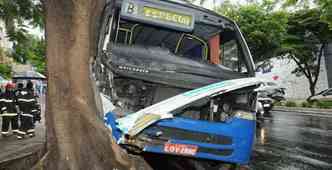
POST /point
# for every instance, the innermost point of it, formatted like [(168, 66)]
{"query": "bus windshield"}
[(206, 43)]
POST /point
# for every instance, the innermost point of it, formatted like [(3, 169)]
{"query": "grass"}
[(290, 104), (320, 104), (306, 104), (325, 104)]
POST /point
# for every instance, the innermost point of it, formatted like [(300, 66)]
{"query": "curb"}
[(24, 161), (303, 110)]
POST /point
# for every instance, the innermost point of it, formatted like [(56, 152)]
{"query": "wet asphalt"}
[(292, 141), (284, 141)]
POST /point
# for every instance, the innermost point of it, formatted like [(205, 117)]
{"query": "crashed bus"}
[(178, 77)]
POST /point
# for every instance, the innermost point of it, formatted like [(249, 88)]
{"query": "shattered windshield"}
[(206, 43)]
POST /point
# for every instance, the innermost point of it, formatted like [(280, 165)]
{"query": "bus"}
[(152, 50)]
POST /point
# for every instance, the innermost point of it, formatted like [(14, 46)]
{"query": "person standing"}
[(9, 111), (27, 103), (19, 88)]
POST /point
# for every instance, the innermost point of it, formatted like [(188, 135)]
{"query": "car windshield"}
[(327, 92)]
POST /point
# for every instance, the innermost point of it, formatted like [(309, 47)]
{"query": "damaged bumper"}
[(162, 128)]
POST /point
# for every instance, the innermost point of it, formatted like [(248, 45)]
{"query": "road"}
[(289, 140), (285, 141)]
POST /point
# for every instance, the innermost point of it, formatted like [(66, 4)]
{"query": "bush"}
[(324, 104), (306, 104), (277, 103), (290, 104), (5, 71)]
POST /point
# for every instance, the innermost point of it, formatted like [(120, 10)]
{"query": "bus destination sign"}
[(157, 15)]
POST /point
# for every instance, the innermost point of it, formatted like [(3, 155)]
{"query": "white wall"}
[(296, 87)]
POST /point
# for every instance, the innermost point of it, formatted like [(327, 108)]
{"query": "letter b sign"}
[(131, 8)]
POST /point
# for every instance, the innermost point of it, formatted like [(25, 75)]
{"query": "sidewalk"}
[(12, 149), (302, 110), (14, 152)]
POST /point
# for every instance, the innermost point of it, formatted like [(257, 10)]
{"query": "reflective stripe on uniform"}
[(21, 132), (28, 115), (4, 133), (34, 110), (8, 101), (15, 130), (25, 100), (31, 130), (9, 114), (3, 108)]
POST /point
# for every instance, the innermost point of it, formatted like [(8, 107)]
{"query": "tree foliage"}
[(263, 28), (325, 7), (18, 15), (306, 38), (300, 33), (32, 51), (5, 71)]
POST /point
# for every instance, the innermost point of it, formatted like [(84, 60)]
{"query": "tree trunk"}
[(76, 137), (312, 91)]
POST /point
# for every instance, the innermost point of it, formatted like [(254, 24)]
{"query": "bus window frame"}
[(204, 45), (240, 57), (130, 31)]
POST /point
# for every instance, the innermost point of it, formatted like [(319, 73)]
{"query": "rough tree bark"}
[(76, 138)]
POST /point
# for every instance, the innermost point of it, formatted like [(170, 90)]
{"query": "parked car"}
[(323, 95)]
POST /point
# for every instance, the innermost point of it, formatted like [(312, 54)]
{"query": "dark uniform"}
[(29, 109), (9, 111), (19, 88)]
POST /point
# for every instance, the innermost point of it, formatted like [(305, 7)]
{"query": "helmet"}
[(10, 86), (20, 86), (29, 85)]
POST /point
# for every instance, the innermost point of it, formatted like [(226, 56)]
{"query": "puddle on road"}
[(293, 142)]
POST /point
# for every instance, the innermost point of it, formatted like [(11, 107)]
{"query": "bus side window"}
[(231, 56)]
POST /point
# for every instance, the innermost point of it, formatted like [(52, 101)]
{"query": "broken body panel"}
[(195, 123), (149, 52)]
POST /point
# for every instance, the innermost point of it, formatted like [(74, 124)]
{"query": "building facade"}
[(328, 63), (297, 86)]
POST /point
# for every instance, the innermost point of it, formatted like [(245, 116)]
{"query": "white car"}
[(272, 90), (325, 94), (268, 92)]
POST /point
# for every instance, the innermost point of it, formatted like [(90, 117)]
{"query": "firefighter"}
[(27, 103), (19, 88), (9, 111)]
